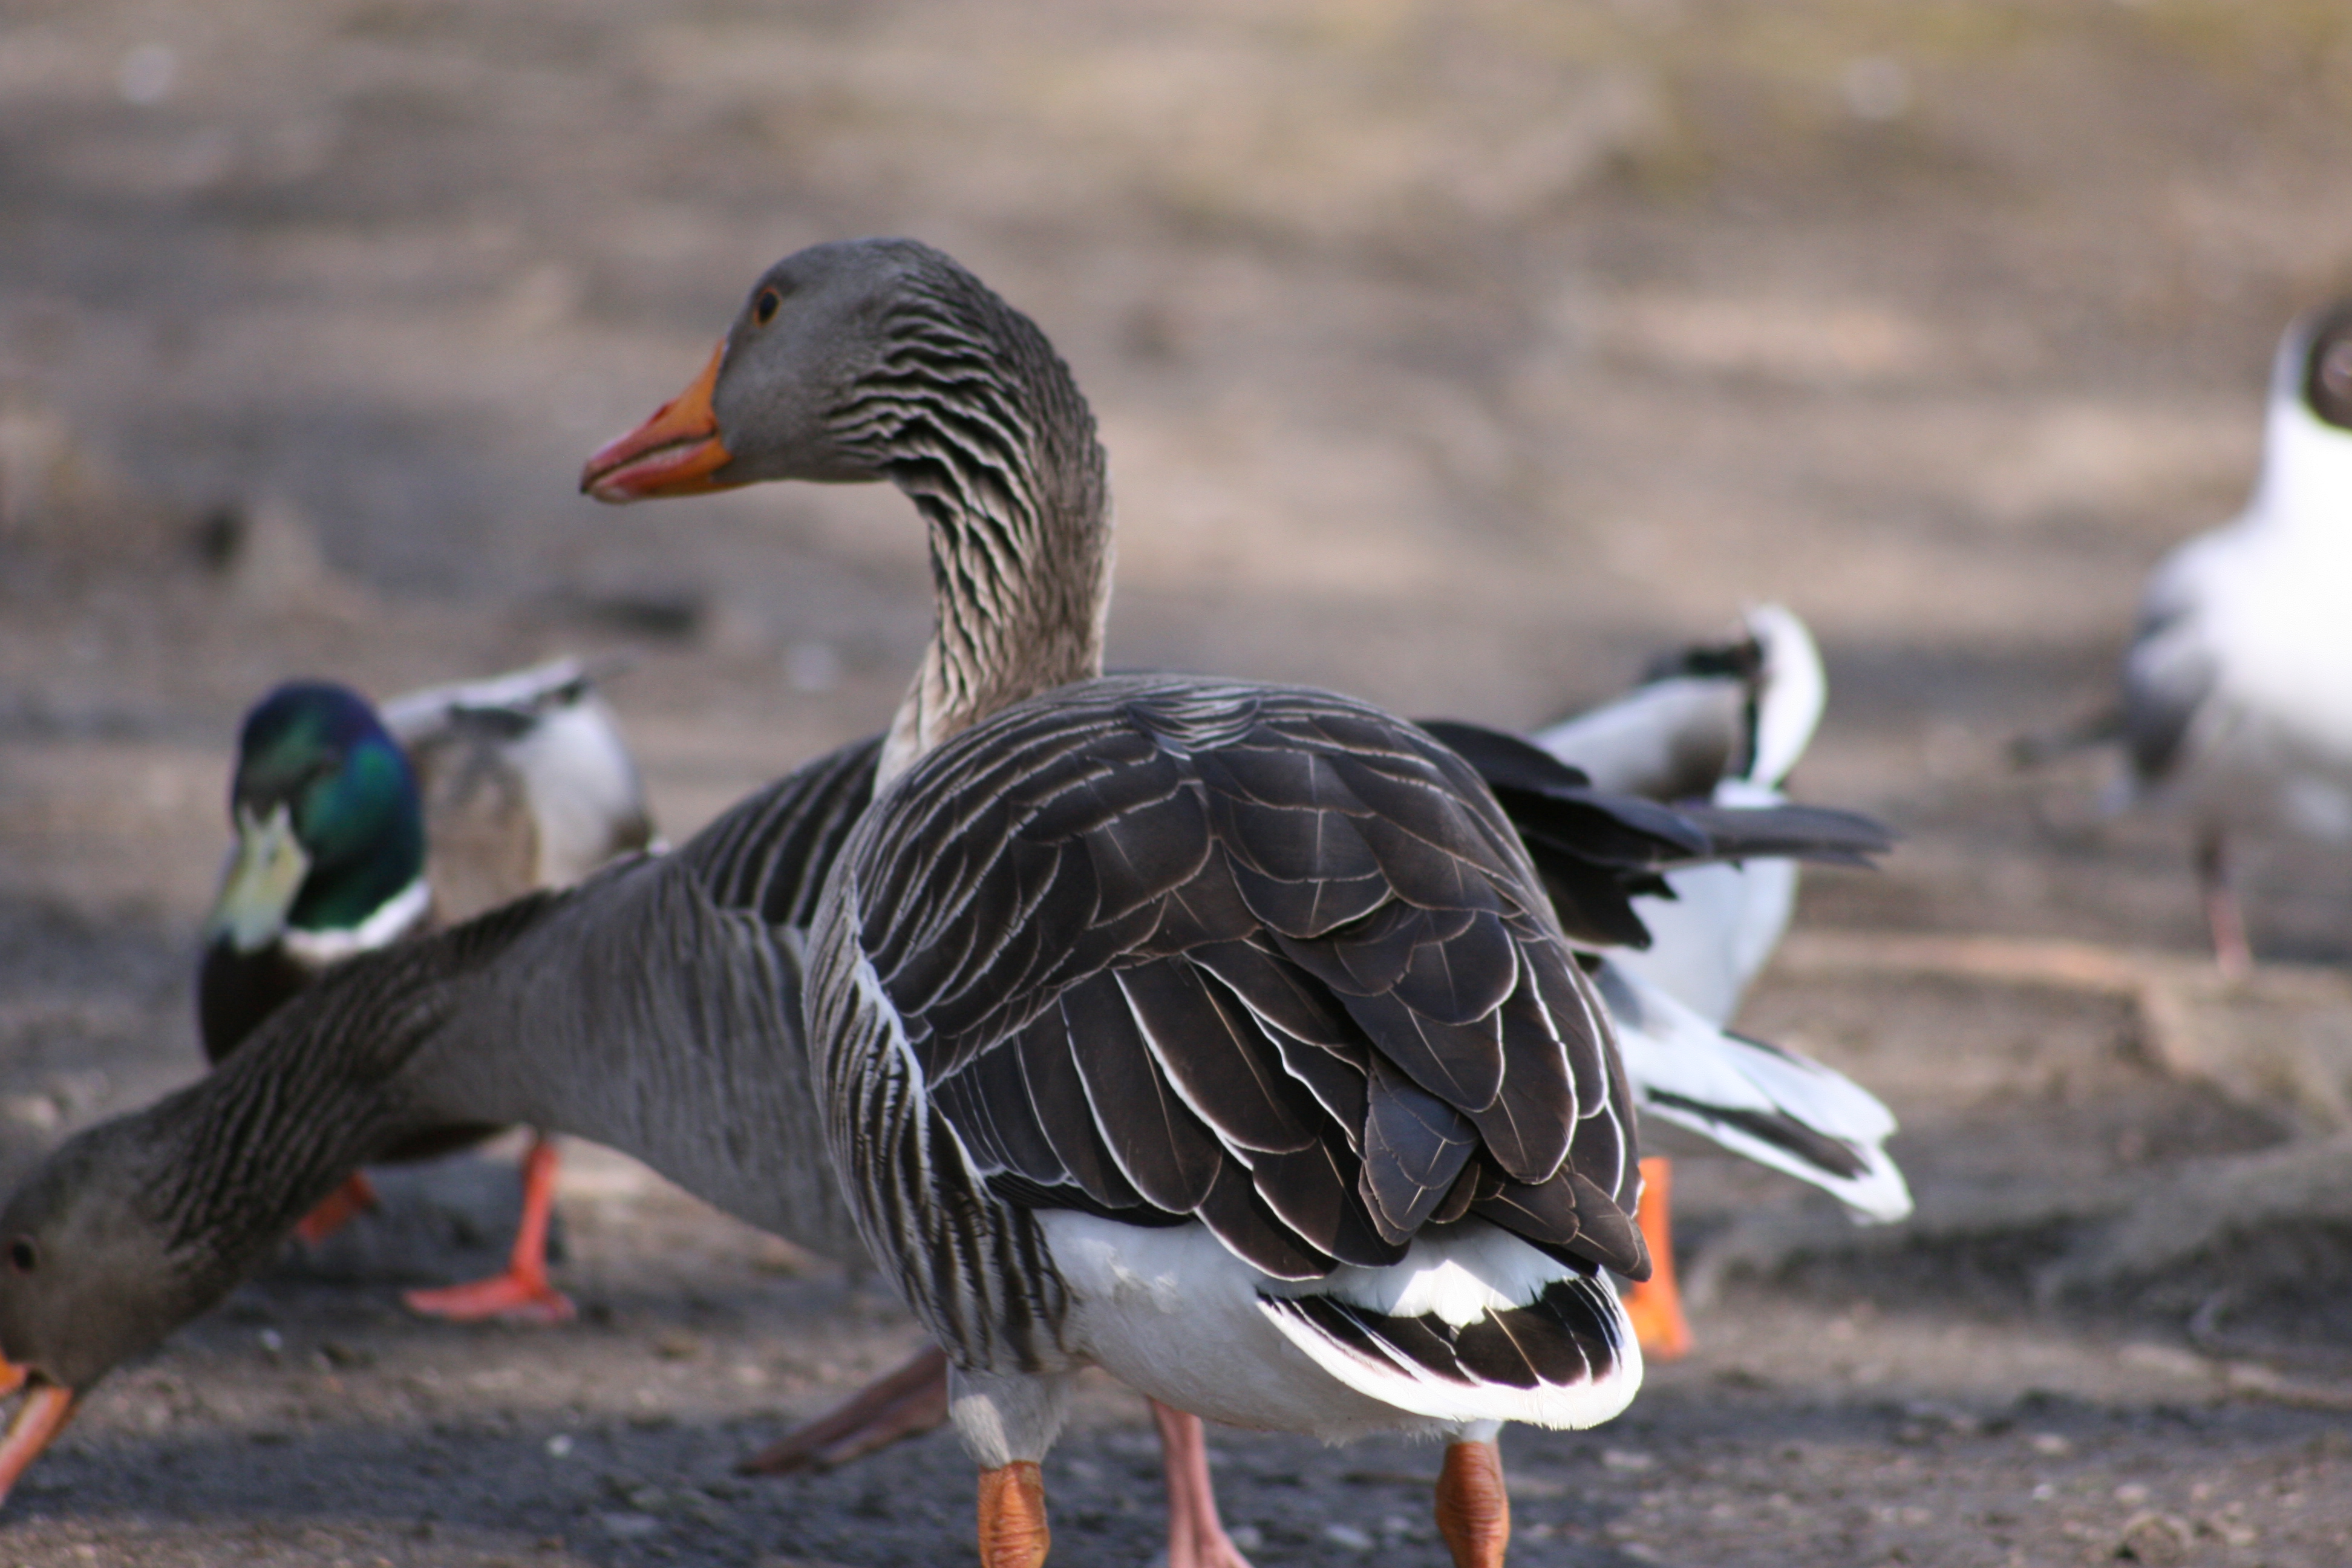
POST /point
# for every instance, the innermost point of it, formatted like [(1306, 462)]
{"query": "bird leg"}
[(1655, 1305), (1473, 1512), (336, 1210), (902, 1404), (522, 1293), (2224, 914), (1012, 1532), (1196, 1537)]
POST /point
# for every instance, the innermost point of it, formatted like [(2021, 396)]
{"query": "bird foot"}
[(356, 1196), (1655, 1305), (904, 1404), (510, 1298)]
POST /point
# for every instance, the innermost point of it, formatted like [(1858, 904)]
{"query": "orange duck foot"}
[(510, 1297), (356, 1196), (1655, 1305), (521, 1294)]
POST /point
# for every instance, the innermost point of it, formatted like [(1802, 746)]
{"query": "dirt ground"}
[(1455, 355)]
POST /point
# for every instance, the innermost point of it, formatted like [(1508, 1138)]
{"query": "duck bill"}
[(47, 1408), (265, 876), (677, 452)]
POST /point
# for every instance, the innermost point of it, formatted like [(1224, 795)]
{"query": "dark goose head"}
[(88, 1276)]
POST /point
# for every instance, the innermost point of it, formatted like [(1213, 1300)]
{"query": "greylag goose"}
[(355, 830), (1725, 723), (1220, 1035), (655, 1008), (2237, 687)]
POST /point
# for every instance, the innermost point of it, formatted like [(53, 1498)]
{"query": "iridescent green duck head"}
[(330, 853)]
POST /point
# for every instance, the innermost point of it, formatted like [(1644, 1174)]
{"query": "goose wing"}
[(1266, 959)]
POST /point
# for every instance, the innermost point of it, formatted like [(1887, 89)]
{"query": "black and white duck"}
[(1724, 723)]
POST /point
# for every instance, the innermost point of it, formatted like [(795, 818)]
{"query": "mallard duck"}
[(1724, 722), (355, 830), (2237, 687)]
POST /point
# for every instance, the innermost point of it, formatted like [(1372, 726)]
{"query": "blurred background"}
[(1459, 355)]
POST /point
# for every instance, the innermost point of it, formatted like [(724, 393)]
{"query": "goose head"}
[(883, 359), (90, 1276), (788, 393), (329, 829)]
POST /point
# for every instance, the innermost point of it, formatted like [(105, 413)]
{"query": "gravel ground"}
[(1456, 356)]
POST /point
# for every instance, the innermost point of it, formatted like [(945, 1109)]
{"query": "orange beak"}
[(672, 454), (43, 1415)]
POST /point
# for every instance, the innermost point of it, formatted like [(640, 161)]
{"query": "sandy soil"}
[(1454, 355)]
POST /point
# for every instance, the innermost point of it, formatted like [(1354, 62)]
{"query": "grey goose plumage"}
[(1075, 900)]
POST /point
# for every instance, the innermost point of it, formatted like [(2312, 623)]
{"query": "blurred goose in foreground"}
[(1727, 723), (2236, 701), (354, 831), (1220, 1035)]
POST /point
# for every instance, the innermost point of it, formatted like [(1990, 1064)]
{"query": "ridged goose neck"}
[(972, 415)]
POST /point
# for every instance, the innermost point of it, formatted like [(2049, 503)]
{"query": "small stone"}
[(1628, 1460), (2049, 1444), (1348, 1536), (2154, 1540), (629, 1526)]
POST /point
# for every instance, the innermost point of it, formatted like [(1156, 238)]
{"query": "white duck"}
[(1726, 724)]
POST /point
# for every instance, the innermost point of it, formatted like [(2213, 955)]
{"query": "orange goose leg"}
[(1196, 1537), (521, 1294), (902, 1404), (336, 1209), (1655, 1304), (1473, 1512), (1012, 1532)]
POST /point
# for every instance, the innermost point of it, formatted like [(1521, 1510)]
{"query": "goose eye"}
[(24, 1255), (765, 308)]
